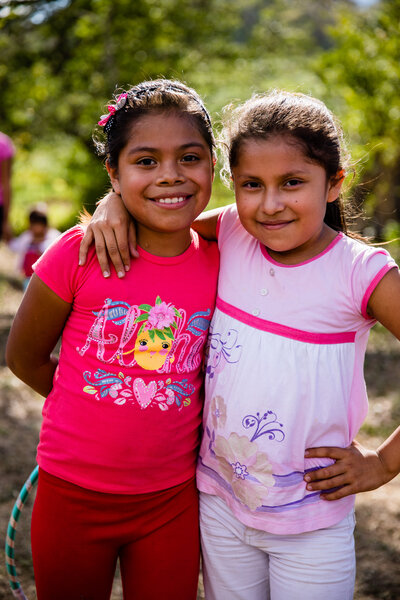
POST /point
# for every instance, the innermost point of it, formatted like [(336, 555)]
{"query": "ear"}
[(114, 177), (335, 185)]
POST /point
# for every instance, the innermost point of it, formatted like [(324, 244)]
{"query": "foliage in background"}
[(62, 59), (361, 75)]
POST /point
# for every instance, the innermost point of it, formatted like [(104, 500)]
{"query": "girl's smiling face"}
[(164, 176), (281, 198)]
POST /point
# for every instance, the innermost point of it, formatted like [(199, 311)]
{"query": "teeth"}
[(175, 200)]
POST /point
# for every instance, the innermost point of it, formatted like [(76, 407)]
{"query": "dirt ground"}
[(378, 512)]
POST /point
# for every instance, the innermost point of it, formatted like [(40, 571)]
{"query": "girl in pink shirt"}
[(121, 422), (297, 296)]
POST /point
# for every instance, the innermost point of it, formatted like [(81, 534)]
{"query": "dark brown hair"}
[(302, 119), (148, 96)]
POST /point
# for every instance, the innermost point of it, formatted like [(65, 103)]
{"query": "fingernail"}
[(121, 274), (127, 267), (307, 478), (309, 487), (106, 274), (306, 453), (80, 262)]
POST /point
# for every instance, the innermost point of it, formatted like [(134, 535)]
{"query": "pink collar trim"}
[(333, 243)]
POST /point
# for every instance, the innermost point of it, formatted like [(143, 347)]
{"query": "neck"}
[(163, 244), (306, 251)]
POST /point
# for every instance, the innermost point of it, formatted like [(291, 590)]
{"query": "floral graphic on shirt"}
[(238, 459), (155, 337), (221, 348), (122, 389), (266, 424), (263, 423), (244, 468), (151, 336)]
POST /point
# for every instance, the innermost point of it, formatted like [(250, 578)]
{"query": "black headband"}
[(141, 90)]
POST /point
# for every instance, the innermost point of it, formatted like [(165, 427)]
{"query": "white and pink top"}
[(124, 414), (284, 373)]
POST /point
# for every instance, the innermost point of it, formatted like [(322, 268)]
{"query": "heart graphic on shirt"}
[(144, 394)]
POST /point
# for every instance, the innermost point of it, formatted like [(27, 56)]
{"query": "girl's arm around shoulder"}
[(206, 224), (35, 331), (112, 230), (357, 469)]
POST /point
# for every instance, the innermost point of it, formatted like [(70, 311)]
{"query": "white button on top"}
[(264, 292), (272, 272), (256, 312)]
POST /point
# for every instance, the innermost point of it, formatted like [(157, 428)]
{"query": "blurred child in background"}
[(31, 244)]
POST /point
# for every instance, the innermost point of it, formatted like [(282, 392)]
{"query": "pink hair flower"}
[(112, 108), (121, 101)]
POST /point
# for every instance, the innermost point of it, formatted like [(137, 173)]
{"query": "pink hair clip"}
[(112, 108)]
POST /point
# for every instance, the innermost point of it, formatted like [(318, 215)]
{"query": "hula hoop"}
[(11, 531)]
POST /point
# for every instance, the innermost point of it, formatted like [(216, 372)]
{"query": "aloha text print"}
[(154, 337)]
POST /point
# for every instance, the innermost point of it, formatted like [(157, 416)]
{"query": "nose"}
[(272, 202), (169, 174)]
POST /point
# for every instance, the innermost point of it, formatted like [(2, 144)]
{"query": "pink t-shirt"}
[(6, 151), (284, 373), (125, 410)]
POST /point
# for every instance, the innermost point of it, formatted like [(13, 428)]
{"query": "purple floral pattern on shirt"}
[(237, 459), (221, 349), (246, 469)]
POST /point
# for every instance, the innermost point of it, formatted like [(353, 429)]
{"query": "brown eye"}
[(293, 182), (146, 162), (252, 185)]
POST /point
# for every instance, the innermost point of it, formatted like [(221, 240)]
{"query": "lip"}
[(274, 225)]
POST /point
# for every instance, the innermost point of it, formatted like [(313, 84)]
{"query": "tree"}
[(362, 73)]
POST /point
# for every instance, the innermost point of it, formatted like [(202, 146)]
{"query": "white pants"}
[(242, 563)]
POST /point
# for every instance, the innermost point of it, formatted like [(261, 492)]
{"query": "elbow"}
[(13, 360), (10, 360)]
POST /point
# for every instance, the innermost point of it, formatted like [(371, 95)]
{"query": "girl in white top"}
[(297, 296)]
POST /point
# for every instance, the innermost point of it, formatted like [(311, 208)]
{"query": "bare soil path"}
[(378, 512)]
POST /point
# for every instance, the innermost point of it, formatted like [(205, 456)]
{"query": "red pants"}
[(78, 535)]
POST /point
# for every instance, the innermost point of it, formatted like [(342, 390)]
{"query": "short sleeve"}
[(226, 222), (369, 268), (58, 266)]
